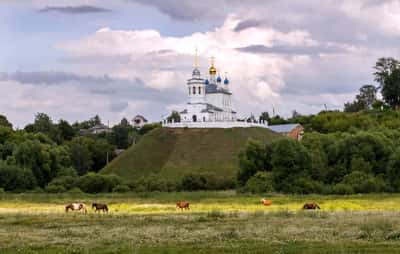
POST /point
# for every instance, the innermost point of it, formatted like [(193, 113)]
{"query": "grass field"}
[(172, 153), (218, 222)]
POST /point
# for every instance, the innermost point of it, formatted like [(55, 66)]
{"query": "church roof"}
[(283, 128), (212, 88), (210, 108)]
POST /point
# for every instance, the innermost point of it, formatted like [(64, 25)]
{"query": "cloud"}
[(245, 24), (82, 9), (294, 50)]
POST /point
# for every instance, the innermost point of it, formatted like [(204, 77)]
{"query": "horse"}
[(99, 207), (183, 205), (311, 206), (266, 202), (76, 207)]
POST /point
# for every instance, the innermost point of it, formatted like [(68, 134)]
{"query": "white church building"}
[(209, 103)]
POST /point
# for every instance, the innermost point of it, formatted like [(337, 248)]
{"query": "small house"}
[(294, 130)]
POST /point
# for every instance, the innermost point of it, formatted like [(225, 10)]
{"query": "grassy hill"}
[(173, 153)]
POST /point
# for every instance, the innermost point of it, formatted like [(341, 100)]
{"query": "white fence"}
[(214, 124)]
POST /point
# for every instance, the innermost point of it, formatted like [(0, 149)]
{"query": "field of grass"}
[(172, 153), (218, 222)]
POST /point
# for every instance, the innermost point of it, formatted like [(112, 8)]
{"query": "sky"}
[(74, 59)]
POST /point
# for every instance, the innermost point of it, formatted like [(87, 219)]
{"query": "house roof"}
[(212, 88), (283, 128), (141, 117)]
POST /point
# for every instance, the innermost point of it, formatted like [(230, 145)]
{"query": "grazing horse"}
[(182, 205), (266, 202), (99, 207), (311, 206), (76, 207)]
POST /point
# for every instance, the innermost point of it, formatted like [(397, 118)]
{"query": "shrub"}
[(95, 183), (75, 190), (67, 172), (65, 181), (55, 189), (364, 183), (121, 188), (14, 178), (260, 182), (193, 182), (342, 189)]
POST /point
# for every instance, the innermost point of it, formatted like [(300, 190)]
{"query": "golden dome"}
[(213, 71)]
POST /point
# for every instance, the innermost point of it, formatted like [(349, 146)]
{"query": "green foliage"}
[(388, 75), (393, 170), (121, 188), (362, 182), (261, 182), (4, 122), (255, 157), (96, 183), (290, 160), (148, 127), (175, 116), (14, 178)]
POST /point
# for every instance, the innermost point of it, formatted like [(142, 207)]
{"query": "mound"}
[(173, 153)]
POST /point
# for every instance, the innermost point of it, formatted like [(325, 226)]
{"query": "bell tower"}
[(196, 85)]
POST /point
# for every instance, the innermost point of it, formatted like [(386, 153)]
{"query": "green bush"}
[(342, 189), (55, 189), (14, 178), (65, 181), (364, 183), (96, 183), (260, 182), (75, 190), (121, 188), (193, 182)]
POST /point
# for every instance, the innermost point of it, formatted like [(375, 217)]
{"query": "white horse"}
[(76, 207)]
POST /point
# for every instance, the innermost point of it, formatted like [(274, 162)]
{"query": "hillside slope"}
[(172, 153)]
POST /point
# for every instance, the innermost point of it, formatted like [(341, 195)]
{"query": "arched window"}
[(194, 90), (204, 118), (194, 118), (199, 90), (189, 90)]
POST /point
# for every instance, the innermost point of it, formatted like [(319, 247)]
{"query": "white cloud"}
[(165, 62)]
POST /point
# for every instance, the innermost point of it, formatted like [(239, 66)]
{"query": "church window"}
[(194, 90), (204, 118), (199, 90), (189, 90)]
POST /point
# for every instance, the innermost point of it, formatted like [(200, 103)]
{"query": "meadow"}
[(218, 222)]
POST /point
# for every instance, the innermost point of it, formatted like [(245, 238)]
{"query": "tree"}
[(367, 95), (4, 122), (65, 129), (175, 116), (388, 76), (255, 157), (120, 135), (290, 162), (80, 154), (364, 100), (264, 116)]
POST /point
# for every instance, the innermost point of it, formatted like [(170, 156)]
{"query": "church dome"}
[(219, 79), (213, 70), (226, 81)]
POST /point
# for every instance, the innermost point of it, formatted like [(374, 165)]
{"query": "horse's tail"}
[(66, 209), (106, 207)]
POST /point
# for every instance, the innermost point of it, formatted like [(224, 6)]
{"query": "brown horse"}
[(311, 206), (99, 207), (182, 205), (266, 202), (76, 207)]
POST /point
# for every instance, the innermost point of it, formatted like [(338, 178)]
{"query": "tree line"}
[(44, 152)]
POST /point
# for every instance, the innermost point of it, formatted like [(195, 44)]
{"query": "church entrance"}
[(194, 117)]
